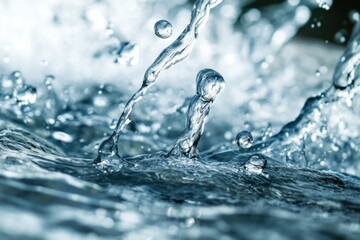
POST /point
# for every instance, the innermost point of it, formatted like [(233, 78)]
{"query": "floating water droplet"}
[(25, 95), (48, 81), (17, 78), (163, 29), (340, 36), (255, 164), (6, 86), (227, 135), (244, 139), (354, 16), (317, 73)]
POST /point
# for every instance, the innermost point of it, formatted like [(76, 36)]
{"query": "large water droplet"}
[(244, 139), (163, 29), (209, 84), (255, 164)]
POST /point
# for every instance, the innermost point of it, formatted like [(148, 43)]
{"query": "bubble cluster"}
[(163, 29)]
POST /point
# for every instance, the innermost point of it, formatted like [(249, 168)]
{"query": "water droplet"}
[(255, 164), (62, 136), (317, 73), (25, 95), (48, 81), (340, 36), (163, 29), (354, 16), (16, 78), (244, 139), (209, 84), (227, 135)]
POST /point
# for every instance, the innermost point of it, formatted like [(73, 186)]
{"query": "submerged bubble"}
[(209, 84), (244, 139), (26, 95), (255, 164), (163, 29)]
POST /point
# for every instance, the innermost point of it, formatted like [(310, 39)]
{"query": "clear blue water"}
[(298, 180)]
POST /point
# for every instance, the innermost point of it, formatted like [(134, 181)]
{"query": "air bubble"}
[(163, 29), (244, 139)]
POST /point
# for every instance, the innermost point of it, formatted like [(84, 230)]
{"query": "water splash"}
[(347, 69), (209, 85), (174, 53), (317, 136)]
